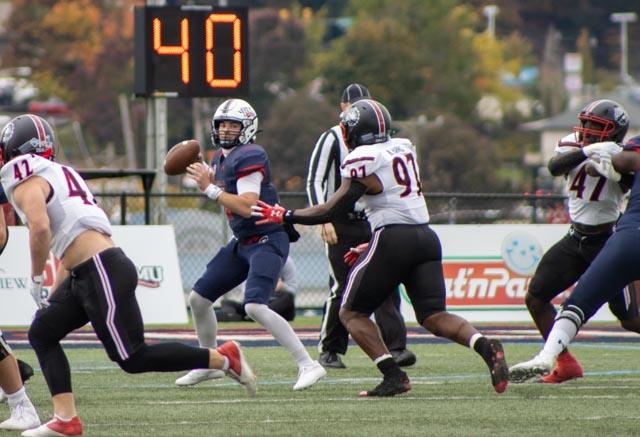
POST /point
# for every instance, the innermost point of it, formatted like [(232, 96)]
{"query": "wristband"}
[(38, 279), (213, 191)]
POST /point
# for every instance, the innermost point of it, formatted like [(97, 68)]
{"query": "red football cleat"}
[(239, 368), (56, 427), (567, 368)]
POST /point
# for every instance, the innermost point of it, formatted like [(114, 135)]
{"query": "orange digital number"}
[(211, 56), (182, 50)]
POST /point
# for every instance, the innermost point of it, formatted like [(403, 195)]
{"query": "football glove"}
[(268, 213), (605, 147), (605, 167), (36, 291), (354, 253)]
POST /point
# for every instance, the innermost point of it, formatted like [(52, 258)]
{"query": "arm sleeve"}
[(335, 207), (250, 183), (322, 157), (563, 163)]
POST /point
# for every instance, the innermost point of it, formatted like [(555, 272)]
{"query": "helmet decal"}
[(7, 132)]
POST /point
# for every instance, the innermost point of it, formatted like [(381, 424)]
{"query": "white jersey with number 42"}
[(395, 164), (71, 207), (593, 200)]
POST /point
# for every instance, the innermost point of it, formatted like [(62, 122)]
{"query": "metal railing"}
[(201, 228)]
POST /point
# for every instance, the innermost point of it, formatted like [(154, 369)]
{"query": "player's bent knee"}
[(40, 335), (254, 310), (197, 302), (632, 325), (135, 363)]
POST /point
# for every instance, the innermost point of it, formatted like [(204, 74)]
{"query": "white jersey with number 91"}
[(395, 164), (71, 207)]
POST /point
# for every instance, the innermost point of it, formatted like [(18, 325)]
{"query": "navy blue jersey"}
[(242, 161), (631, 216)]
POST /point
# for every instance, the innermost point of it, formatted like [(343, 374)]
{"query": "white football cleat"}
[(196, 376), (309, 375), (538, 366), (239, 368), (23, 417)]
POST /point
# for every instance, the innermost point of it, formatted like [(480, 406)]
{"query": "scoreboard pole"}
[(157, 143)]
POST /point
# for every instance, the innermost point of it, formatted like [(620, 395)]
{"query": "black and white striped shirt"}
[(324, 167)]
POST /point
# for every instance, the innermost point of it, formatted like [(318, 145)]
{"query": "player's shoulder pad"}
[(632, 144), (21, 168), (360, 162), (568, 143), (250, 155)]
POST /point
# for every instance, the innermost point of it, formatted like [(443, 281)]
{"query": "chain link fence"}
[(201, 227)]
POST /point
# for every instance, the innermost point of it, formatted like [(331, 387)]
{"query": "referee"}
[(339, 236)]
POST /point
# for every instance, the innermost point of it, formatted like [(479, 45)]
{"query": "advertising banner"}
[(487, 269), (151, 248)]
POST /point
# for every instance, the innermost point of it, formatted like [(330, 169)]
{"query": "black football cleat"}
[(26, 371), (404, 357), (498, 367), (331, 360), (390, 386)]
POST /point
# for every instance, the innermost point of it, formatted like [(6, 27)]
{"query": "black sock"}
[(388, 367), (482, 347)]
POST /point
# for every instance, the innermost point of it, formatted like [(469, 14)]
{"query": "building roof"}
[(569, 118)]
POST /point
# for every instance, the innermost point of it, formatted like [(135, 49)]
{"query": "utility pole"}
[(623, 18)]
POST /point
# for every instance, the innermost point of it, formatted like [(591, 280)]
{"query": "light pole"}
[(623, 18), (491, 11)]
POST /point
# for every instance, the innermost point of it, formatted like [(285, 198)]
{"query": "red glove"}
[(268, 214), (354, 253)]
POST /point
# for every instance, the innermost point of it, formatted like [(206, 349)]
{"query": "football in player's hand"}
[(180, 156)]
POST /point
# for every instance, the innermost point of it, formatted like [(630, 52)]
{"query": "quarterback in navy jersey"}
[(238, 177), (615, 266)]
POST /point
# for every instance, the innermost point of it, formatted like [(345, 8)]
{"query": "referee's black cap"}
[(355, 92)]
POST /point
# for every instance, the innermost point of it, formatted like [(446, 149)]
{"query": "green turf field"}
[(451, 396)]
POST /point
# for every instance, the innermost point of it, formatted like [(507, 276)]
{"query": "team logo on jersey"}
[(521, 252), (7, 132), (351, 116)]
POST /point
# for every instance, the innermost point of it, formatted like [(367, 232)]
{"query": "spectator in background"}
[(282, 301), (346, 231)]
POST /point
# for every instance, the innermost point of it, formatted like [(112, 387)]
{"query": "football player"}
[(96, 281), (594, 207), (615, 265), (238, 177), (383, 171)]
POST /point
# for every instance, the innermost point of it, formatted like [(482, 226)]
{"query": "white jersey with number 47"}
[(71, 207), (395, 164), (593, 200)]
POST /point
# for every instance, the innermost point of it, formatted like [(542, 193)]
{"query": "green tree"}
[(289, 134), (80, 51)]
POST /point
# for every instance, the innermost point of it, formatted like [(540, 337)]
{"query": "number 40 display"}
[(191, 51)]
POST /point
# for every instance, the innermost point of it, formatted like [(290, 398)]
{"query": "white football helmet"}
[(235, 110)]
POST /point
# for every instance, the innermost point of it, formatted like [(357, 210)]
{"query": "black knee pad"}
[(26, 371)]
